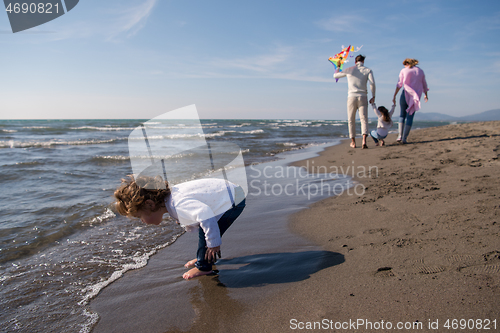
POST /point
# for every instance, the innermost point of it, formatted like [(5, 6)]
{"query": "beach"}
[(422, 243), (413, 243), (63, 242)]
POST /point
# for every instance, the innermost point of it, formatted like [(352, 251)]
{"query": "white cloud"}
[(496, 67), (341, 23), (132, 19), (259, 63), (282, 62), (110, 24)]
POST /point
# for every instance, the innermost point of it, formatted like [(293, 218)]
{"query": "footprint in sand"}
[(420, 267), (431, 269), (481, 269), (488, 263), (385, 272)]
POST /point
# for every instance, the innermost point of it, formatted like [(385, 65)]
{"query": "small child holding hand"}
[(383, 124), (210, 204)]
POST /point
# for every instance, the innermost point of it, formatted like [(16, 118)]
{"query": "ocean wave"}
[(9, 131), (170, 127), (253, 131), (111, 158), (182, 136), (126, 158), (108, 213), (295, 124), (176, 156), (29, 163), (140, 157), (51, 143), (240, 125), (97, 128), (244, 132)]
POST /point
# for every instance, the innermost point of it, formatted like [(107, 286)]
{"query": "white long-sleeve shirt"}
[(357, 78), (201, 203), (383, 126)]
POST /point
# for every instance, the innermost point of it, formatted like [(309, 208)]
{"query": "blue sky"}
[(252, 59)]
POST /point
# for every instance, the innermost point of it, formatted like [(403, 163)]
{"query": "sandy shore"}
[(418, 242), (422, 244)]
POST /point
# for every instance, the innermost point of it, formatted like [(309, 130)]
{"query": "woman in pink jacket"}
[(412, 80)]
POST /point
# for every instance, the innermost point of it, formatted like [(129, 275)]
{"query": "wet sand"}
[(261, 257), (419, 245)]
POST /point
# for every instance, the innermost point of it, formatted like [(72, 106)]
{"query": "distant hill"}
[(483, 116)]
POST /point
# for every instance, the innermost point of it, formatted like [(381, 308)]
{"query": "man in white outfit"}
[(357, 96)]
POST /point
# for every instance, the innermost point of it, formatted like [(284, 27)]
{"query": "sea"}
[(61, 240)]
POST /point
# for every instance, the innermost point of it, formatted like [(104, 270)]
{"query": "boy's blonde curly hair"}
[(132, 194)]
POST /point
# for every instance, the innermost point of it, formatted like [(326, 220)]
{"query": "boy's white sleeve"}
[(212, 232)]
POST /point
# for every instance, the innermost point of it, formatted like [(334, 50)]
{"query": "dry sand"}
[(422, 244)]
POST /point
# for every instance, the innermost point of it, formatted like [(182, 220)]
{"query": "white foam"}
[(113, 157), (104, 216), (139, 261), (93, 319), (252, 132), (241, 125), (50, 143), (103, 128)]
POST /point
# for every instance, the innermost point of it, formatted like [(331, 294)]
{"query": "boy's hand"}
[(212, 253)]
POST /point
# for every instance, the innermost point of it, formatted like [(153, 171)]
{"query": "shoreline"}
[(418, 246), (258, 243)]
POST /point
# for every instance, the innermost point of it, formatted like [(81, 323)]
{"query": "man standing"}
[(357, 96)]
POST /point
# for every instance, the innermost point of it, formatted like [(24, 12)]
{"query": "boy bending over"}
[(207, 205)]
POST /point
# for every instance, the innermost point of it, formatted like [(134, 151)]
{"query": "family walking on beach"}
[(411, 79)]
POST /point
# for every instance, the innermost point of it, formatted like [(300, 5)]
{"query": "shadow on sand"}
[(271, 268)]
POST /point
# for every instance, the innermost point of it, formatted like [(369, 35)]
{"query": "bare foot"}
[(364, 146), (194, 272), (382, 142), (190, 263), (376, 143), (353, 144)]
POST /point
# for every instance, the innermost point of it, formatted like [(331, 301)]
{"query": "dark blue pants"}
[(224, 223), (403, 115)]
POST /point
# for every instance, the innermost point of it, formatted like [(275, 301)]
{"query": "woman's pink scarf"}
[(413, 80)]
